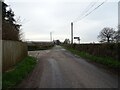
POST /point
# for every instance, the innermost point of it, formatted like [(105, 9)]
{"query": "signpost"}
[(78, 38)]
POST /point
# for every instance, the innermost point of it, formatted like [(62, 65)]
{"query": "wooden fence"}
[(12, 52)]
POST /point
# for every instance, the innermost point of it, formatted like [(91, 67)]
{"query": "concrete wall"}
[(0, 64), (119, 13), (12, 52), (0, 45)]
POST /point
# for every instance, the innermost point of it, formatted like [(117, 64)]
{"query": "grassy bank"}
[(107, 61), (13, 77)]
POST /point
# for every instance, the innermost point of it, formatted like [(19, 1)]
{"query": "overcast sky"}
[(40, 17)]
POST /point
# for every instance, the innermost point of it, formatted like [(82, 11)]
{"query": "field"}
[(39, 46)]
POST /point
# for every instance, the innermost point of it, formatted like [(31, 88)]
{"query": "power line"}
[(93, 10), (84, 11), (91, 5)]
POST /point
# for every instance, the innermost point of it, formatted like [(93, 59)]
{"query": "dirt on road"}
[(58, 68)]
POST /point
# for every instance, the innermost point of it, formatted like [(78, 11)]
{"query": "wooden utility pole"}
[(71, 32), (51, 36)]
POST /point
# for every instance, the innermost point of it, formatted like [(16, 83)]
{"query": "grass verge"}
[(13, 77), (107, 61)]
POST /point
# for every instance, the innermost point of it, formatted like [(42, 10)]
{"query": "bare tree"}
[(18, 23), (21, 35), (107, 35)]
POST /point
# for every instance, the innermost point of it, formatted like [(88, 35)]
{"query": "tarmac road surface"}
[(58, 68)]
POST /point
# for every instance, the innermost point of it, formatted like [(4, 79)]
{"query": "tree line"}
[(11, 29), (106, 35)]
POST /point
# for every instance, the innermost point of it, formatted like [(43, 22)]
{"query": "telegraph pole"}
[(71, 32), (51, 36)]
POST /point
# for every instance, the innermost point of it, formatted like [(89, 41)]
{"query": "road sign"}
[(77, 38)]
